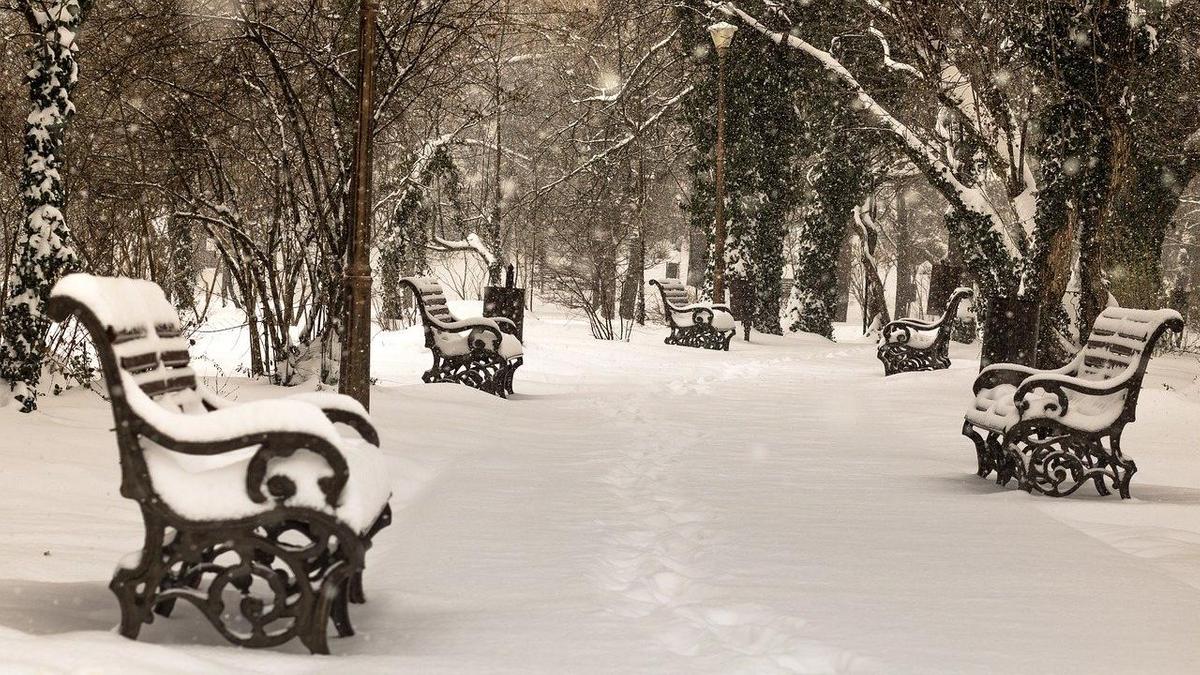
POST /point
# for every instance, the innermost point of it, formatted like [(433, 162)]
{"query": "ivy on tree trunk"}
[(44, 253)]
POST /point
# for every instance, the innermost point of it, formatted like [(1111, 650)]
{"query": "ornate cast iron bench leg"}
[(990, 454), (307, 585), (1096, 458), (1123, 469), (1008, 465), (485, 371), (1056, 461), (703, 337), (341, 610), (355, 591), (137, 587), (983, 454), (898, 358)]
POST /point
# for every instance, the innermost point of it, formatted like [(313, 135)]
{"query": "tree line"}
[(1045, 150)]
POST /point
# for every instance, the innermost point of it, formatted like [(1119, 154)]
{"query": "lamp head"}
[(722, 34)]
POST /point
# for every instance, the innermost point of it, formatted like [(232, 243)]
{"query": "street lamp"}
[(355, 375), (722, 36)]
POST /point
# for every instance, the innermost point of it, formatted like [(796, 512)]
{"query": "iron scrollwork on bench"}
[(482, 353), (270, 557), (1056, 431), (703, 325), (911, 345)]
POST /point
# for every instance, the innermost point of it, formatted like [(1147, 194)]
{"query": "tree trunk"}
[(875, 310), (1010, 332), (906, 257), (841, 307), (697, 258), (633, 279), (1136, 229), (43, 250)]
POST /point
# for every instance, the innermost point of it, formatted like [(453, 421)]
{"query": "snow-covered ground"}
[(642, 508)]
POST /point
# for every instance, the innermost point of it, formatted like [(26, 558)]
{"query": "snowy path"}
[(641, 508)]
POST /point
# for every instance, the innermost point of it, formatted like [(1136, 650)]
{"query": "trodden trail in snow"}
[(781, 508)]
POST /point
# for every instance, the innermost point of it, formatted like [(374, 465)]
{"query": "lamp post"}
[(355, 375), (722, 36)]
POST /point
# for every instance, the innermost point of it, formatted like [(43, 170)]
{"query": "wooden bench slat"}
[(1118, 343), (139, 363), (127, 335), (175, 384), (175, 359)]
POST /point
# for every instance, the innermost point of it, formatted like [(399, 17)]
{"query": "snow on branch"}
[(491, 145), (882, 7), (867, 230), (888, 61), (471, 243), (626, 140), (421, 160), (614, 96)]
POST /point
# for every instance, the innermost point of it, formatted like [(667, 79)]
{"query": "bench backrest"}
[(674, 293), (959, 296), (1121, 339), (135, 331), (945, 322), (431, 302)]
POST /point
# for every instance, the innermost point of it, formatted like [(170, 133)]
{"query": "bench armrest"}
[(914, 324), (505, 324), (688, 309), (900, 331), (278, 427), (1090, 387), (1057, 385), (460, 325), (1001, 373), (338, 409), (920, 324), (1015, 373), (341, 409)]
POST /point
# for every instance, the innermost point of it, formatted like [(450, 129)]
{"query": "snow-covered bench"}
[(909, 345), (259, 514), (1055, 430), (701, 324), (479, 352)]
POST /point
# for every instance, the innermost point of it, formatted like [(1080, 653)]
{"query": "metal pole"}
[(719, 232), (356, 346)]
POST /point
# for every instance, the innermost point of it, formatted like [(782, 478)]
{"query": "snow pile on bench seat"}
[(459, 344), (995, 408), (1109, 359), (722, 320), (918, 338), (213, 487), (283, 415)]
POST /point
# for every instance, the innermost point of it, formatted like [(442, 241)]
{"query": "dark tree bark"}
[(841, 307), (906, 257)]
